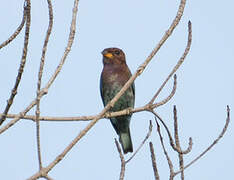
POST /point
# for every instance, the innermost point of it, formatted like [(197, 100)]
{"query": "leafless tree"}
[(151, 106)]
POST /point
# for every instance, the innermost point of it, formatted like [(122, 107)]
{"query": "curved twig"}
[(179, 63), (176, 135), (177, 142), (164, 101), (215, 142), (170, 136), (143, 142), (17, 31), (167, 130), (165, 152), (22, 63)]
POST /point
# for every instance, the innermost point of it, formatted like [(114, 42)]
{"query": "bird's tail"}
[(126, 142)]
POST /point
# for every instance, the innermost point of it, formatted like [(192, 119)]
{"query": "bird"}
[(114, 75)]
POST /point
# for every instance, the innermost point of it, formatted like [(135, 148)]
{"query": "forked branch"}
[(212, 145)]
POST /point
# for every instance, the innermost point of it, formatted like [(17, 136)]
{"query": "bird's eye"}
[(117, 52)]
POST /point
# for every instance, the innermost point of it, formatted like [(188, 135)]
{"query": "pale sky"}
[(205, 86)]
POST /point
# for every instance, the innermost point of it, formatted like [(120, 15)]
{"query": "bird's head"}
[(113, 56)]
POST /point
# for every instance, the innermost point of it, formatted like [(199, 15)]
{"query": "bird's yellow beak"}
[(108, 55)]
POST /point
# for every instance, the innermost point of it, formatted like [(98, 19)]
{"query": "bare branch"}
[(22, 63), (179, 63), (143, 142), (164, 101), (154, 164), (165, 36), (17, 117), (177, 141), (17, 31), (214, 143), (38, 144), (165, 152), (83, 118), (68, 48), (170, 137), (167, 130), (107, 115), (122, 172), (39, 82)]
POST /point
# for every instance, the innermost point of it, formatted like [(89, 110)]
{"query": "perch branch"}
[(107, 115), (89, 118)]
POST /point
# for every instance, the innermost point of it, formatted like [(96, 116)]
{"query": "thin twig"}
[(212, 145), (167, 130), (165, 152), (177, 141), (85, 118), (189, 41), (122, 172), (38, 144), (164, 101), (17, 117), (17, 31), (154, 164), (170, 136), (150, 106), (39, 81), (22, 63), (143, 142), (179, 63)]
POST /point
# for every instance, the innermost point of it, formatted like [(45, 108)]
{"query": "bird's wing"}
[(101, 90), (133, 88)]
